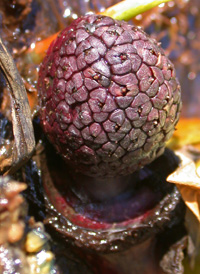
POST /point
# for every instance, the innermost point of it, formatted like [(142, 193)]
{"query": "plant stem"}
[(24, 140), (127, 9)]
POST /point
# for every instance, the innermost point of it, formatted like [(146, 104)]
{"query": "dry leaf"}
[(188, 182), (187, 179), (187, 133), (193, 228)]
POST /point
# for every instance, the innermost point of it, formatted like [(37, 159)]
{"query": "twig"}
[(24, 140)]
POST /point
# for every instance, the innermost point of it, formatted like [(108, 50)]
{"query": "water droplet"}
[(173, 20), (103, 241), (32, 46), (161, 5), (74, 16), (191, 75), (171, 4), (66, 13), (138, 17)]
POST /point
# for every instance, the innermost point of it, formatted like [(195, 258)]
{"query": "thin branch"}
[(24, 140)]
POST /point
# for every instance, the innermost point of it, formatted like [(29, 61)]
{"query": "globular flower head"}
[(109, 96)]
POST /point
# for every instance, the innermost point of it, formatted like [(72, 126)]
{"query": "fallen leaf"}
[(193, 228), (172, 260), (188, 182), (187, 133), (186, 174), (198, 167)]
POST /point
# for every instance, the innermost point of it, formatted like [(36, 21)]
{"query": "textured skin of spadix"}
[(109, 96)]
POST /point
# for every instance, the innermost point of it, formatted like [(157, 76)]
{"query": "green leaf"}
[(127, 9)]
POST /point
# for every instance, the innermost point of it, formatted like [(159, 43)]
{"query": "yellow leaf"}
[(191, 198), (188, 182), (186, 173), (187, 133)]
